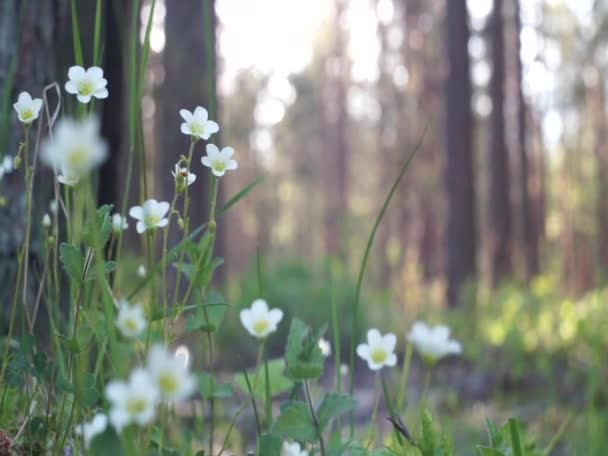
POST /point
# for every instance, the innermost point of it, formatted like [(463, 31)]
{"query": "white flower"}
[(150, 216), (7, 164), (183, 177), (76, 149), (219, 162), (168, 372), (46, 221), (133, 401), (86, 83), (197, 123), (89, 430), (293, 449), (379, 350), (344, 369), (325, 347), (433, 343), (131, 320), (119, 223), (141, 271), (28, 108), (53, 206), (259, 321)]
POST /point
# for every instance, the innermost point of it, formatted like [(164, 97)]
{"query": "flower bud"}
[(46, 221), (212, 226), (17, 162), (180, 223), (50, 240)]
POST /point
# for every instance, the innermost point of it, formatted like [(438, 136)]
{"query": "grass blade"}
[(235, 199), (76, 32), (368, 247), (97, 34), (518, 449)]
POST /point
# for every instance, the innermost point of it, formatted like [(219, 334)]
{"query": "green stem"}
[(313, 415), (405, 374), (268, 395), (389, 405), (373, 423), (428, 378)]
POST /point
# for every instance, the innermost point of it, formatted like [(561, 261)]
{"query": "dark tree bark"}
[(459, 171), (189, 61), (499, 198), (28, 33), (113, 114), (529, 230)]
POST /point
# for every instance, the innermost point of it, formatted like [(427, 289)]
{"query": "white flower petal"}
[(185, 129), (101, 93), (76, 73), (83, 98), (70, 87), (186, 115)]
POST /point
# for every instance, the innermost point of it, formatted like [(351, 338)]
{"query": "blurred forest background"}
[(502, 218)]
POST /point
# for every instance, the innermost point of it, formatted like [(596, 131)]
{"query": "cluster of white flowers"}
[(433, 343), (166, 378)]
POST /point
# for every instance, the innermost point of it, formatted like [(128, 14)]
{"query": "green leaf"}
[(86, 390), (279, 383), (332, 406), (210, 389), (302, 353), (98, 229), (489, 451), (295, 422), (269, 444), (106, 443), (516, 440), (427, 442), (72, 261)]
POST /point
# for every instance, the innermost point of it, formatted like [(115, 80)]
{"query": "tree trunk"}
[(529, 230), (459, 171), (335, 126), (189, 60), (500, 204), (28, 33)]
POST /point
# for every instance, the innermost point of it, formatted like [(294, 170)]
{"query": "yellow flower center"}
[(167, 382), (151, 220), (260, 326), (136, 405), (196, 129), (131, 324), (86, 87), (27, 114), (378, 356), (77, 157), (218, 165)]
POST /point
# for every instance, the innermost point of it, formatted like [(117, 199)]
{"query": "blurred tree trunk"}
[(28, 33), (189, 60), (596, 99), (335, 119), (113, 114), (459, 170), (529, 230), (500, 204)]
